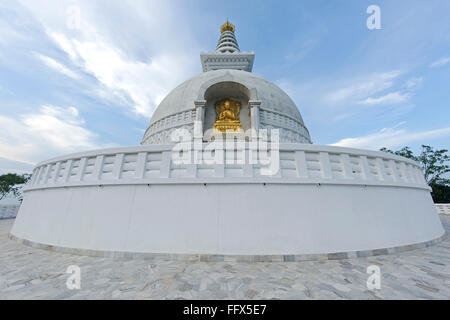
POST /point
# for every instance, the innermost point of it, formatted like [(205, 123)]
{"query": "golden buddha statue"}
[(227, 116)]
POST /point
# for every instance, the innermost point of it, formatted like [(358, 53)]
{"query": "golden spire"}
[(227, 26)]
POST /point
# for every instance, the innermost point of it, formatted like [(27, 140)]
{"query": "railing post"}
[(394, 170), (57, 170), (98, 168), (140, 165), (347, 166), (381, 169), (300, 163), (81, 169), (325, 165), (118, 162), (165, 164), (68, 170)]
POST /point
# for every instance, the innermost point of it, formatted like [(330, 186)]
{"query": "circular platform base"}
[(322, 202), (230, 258)]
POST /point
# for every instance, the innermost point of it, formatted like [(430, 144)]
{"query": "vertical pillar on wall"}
[(348, 171), (69, 165), (164, 171), (48, 169), (381, 169), (56, 173), (365, 168), (81, 169), (199, 118), (98, 167), (254, 106), (325, 164), (118, 164), (300, 163), (393, 165), (411, 174), (419, 176), (34, 176), (405, 174), (140, 165)]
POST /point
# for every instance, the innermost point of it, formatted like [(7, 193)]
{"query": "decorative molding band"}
[(226, 59), (176, 120), (199, 103), (296, 131), (286, 135), (254, 103), (237, 60), (163, 136)]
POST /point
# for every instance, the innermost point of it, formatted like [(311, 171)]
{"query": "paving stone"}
[(31, 273)]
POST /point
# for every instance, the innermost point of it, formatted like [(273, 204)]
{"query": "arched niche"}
[(223, 90)]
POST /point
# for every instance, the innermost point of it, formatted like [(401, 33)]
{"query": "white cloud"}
[(37, 136), (414, 83), (139, 62), (441, 62), (362, 88), (57, 66), (145, 83), (391, 137), (11, 166), (407, 91), (380, 96), (390, 98)]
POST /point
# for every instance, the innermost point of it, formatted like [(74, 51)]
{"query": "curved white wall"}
[(323, 200)]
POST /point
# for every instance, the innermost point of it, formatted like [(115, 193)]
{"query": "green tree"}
[(404, 152), (440, 193), (435, 164), (10, 184)]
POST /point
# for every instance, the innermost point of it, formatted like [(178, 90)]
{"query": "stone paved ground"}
[(28, 273)]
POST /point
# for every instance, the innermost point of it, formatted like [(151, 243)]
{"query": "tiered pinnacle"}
[(227, 54), (227, 40)]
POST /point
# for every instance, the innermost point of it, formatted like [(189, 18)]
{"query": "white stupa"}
[(226, 170)]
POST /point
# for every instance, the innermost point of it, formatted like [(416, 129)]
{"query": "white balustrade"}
[(8, 211), (443, 208), (302, 164)]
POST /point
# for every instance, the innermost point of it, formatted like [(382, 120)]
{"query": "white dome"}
[(178, 108)]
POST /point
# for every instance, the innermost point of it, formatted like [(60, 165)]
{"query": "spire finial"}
[(227, 48), (227, 26)]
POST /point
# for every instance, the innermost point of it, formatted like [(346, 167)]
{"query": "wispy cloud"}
[(55, 65), (145, 83), (391, 138), (396, 97), (137, 70), (53, 130), (414, 83), (361, 88), (363, 91), (381, 96), (440, 63), (390, 98), (12, 166), (116, 56)]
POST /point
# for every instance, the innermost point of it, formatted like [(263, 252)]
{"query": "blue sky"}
[(78, 75)]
